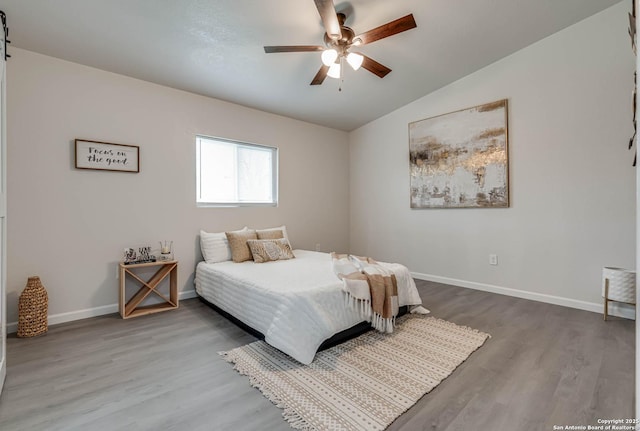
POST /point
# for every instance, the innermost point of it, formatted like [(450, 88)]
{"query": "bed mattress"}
[(296, 303)]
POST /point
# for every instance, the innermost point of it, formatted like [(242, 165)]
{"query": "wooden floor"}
[(545, 365)]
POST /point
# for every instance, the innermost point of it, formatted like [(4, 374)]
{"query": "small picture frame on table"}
[(142, 255)]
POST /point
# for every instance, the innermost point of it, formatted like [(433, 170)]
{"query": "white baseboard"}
[(3, 371), (54, 319), (615, 309)]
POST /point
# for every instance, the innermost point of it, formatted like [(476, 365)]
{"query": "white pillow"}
[(283, 228), (215, 246)]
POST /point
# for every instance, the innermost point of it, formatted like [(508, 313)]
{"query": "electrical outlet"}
[(493, 259), (117, 272), (317, 247)]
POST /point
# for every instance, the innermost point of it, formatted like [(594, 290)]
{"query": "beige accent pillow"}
[(270, 231), (269, 250), (240, 251), (270, 234)]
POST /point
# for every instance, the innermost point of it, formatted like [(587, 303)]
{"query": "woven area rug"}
[(364, 383)]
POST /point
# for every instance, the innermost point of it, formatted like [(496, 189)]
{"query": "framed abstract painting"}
[(460, 159)]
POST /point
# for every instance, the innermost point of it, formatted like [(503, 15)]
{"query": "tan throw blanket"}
[(371, 289)]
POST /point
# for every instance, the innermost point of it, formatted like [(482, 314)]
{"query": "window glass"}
[(231, 173)]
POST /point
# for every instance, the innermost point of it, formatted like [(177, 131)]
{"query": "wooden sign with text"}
[(104, 156)]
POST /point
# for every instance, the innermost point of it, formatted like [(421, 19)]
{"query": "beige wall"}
[(572, 184), (69, 226)]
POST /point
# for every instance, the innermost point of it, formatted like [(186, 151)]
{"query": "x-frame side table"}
[(131, 307)]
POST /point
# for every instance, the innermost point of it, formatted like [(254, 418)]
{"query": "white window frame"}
[(238, 203)]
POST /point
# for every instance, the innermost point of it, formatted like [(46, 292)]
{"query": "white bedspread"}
[(296, 304)]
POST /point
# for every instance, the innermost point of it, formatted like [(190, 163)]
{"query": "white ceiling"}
[(215, 47)]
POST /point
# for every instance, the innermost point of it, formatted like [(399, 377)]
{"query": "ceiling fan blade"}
[(320, 76), (329, 18), (293, 48), (374, 67), (389, 29)]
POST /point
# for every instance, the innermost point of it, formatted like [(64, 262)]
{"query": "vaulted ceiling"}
[(215, 47)]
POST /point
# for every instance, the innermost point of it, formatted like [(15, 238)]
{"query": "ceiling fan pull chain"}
[(341, 73)]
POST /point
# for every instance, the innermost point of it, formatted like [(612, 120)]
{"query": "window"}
[(231, 173)]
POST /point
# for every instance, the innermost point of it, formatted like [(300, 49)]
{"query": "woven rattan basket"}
[(32, 309)]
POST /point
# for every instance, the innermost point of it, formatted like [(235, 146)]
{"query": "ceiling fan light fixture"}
[(355, 60), (339, 39), (334, 71), (329, 56)]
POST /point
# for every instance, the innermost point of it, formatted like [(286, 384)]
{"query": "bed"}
[(296, 304)]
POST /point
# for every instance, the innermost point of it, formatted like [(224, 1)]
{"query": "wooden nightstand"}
[(131, 308)]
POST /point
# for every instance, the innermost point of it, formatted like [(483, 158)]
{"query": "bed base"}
[(336, 339)]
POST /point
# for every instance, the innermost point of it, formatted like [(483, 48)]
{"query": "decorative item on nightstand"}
[(142, 256), (618, 285), (32, 309), (166, 250)]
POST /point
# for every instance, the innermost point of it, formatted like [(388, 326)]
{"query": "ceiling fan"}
[(339, 39)]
